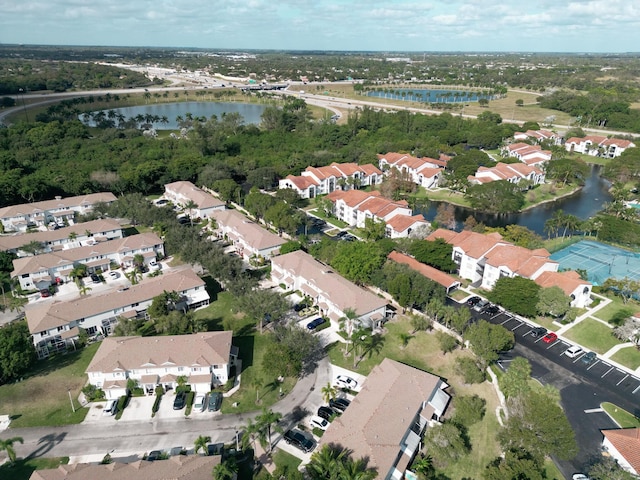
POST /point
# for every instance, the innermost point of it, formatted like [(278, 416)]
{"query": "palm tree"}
[(329, 392), (84, 289), (133, 276), (356, 470), (225, 470), (404, 339), (7, 445), (266, 422), (201, 443), (347, 322), (191, 205), (326, 463)]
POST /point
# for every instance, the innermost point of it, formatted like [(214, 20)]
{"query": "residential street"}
[(132, 438)]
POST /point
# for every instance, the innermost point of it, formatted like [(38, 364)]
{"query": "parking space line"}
[(625, 377), (508, 318), (516, 327), (607, 372), (637, 388), (552, 345), (592, 365)]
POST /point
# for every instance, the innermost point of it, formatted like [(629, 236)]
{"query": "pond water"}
[(250, 112), (583, 204), (429, 96)]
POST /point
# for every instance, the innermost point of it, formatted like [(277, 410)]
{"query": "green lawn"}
[(23, 468), (286, 460), (593, 335), (547, 322), (607, 313), (621, 416), (629, 357), (332, 220), (42, 399)]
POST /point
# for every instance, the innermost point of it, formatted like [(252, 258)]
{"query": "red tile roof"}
[(475, 245), (568, 281), (400, 223), (447, 281), (519, 260), (627, 442)]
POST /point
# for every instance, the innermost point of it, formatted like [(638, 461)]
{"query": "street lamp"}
[(73, 408), (24, 106), (237, 441)]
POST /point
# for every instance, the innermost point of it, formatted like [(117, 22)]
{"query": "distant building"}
[(598, 146), (249, 238), (537, 135), (182, 193), (438, 276), (512, 172), (532, 155), (387, 419), (425, 172), (203, 358), (59, 211), (55, 325), (316, 181), (355, 206), (332, 293)]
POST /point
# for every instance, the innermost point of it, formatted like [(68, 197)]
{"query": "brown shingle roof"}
[(188, 190), (253, 234), (376, 422), (44, 316), (130, 353), (69, 202), (180, 467), (627, 442), (341, 291)]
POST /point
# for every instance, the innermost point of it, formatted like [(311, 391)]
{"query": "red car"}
[(550, 337)]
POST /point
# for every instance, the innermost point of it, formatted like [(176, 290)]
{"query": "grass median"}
[(42, 398)]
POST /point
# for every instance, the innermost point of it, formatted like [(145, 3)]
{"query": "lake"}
[(250, 112), (583, 204)]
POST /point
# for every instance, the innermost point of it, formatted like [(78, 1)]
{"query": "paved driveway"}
[(139, 408), (166, 410)]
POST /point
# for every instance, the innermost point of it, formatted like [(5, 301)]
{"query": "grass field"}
[(608, 312), (629, 357), (42, 399), (423, 352), (593, 335), (23, 468), (621, 416)]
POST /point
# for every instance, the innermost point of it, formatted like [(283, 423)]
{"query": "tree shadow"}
[(46, 443), (245, 346)]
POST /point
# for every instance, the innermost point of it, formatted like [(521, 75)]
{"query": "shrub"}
[(190, 396), (92, 393), (123, 401), (318, 432), (447, 342), (470, 370), (469, 409), (156, 403)]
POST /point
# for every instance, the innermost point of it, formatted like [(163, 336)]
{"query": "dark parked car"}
[(313, 324), (538, 332), (299, 440), (339, 404), (215, 449), (473, 300), (95, 278), (326, 412), (215, 400), (491, 309), (180, 400), (154, 455), (45, 293), (300, 306), (588, 358)]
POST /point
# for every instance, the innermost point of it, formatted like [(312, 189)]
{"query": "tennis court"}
[(599, 260)]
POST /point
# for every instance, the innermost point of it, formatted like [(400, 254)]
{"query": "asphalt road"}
[(132, 438), (582, 387)]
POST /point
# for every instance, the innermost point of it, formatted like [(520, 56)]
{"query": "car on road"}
[(339, 404), (180, 401), (199, 403), (343, 381), (579, 476), (588, 358), (326, 412), (573, 351), (110, 408), (473, 300), (215, 400), (319, 422), (550, 337), (299, 440), (313, 324), (538, 332)]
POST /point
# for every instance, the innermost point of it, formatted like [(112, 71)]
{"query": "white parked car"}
[(113, 274), (199, 403), (110, 408), (344, 381), (154, 266), (318, 422), (573, 352)]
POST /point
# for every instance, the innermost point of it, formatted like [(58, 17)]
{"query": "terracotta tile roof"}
[(180, 467), (43, 316), (475, 245), (341, 291), (96, 227), (514, 147), (519, 260), (70, 256), (352, 197), (399, 160), (430, 172), (568, 281), (618, 142), (399, 223), (302, 182), (446, 235), (380, 415), (342, 170), (627, 442), (254, 235), (447, 281), (69, 202), (188, 190), (131, 353)]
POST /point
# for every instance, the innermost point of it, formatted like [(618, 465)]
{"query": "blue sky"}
[(387, 25)]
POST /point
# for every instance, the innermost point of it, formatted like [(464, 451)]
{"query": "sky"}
[(351, 25)]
